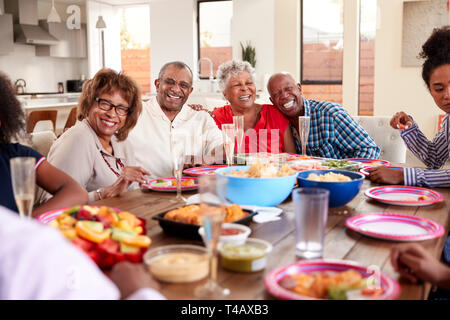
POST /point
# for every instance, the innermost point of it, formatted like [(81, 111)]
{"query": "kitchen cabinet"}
[(72, 43), (6, 34)]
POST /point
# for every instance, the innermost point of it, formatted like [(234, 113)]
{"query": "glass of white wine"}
[(23, 181), (238, 122), (212, 209), (178, 158), (228, 132), (303, 131)]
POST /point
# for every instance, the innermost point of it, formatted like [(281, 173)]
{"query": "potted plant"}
[(249, 53)]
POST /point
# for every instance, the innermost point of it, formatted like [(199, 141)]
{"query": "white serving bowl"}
[(238, 238)]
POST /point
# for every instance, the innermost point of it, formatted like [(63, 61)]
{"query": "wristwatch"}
[(99, 193)]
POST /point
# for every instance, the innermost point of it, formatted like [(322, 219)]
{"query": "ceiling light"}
[(53, 16), (100, 23)]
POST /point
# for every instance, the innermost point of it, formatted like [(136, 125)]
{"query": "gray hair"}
[(232, 68), (178, 64)]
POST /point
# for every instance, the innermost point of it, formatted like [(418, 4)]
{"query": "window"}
[(368, 26), (322, 49), (214, 34), (135, 44)]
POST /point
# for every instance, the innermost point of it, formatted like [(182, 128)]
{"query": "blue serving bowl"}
[(341, 193), (265, 192)]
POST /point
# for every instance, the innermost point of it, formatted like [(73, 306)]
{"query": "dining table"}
[(340, 242)]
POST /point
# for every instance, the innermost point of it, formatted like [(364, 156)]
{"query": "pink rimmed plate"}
[(51, 215), (370, 162), (202, 171), (365, 171), (395, 226), (404, 195), (150, 185), (391, 288)]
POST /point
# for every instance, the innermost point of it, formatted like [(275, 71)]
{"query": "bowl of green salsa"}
[(250, 256)]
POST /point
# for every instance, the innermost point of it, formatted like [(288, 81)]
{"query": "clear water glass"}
[(228, 132), (238, 122), (23, 181), (311, 213), (212, 191), (303, 131)]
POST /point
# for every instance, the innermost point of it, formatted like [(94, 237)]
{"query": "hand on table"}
[(191, 161), (386, 175), (401, 120), (127, 177), (414, 263), (129, 278)]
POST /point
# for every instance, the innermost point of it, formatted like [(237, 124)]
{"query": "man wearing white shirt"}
[(165, 119), (38, 263)]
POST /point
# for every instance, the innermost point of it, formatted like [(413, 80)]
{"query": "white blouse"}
[(151, 138)]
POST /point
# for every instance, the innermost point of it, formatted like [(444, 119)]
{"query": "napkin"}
[(264, 214)]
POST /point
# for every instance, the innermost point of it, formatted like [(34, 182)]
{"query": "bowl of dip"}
[(230, 232), (179, 263), (250, 256)]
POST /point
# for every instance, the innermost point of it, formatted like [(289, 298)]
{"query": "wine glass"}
[(23, 181), (228, 132), (178, 157), (303, 131), (238, 122), (212, 191)]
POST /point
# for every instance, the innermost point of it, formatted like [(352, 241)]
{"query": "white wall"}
[(254, 20), (42, 74), (396, 87), (112, 20), (287, 37), (173, 34)]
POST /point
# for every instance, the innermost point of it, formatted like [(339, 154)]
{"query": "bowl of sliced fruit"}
[(107, 235)]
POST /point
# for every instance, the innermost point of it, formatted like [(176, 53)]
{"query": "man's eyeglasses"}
[(183, 85), (106, 106)]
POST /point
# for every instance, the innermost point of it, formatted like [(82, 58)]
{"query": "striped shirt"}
[(334, 133), (433, 154)]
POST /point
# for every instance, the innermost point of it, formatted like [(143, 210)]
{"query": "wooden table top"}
[(340, 242)]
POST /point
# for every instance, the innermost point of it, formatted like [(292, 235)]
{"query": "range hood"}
[(25, 19)]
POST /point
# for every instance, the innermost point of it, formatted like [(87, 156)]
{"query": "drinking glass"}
[(23, 182), (212, 191), (311, 213), (238, 122), (178, 157), (303, 131), (228, 132)]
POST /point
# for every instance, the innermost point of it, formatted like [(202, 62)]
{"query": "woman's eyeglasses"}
[(106, 106)]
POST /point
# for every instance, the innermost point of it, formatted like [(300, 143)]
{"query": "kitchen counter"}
[(44, 101), (62, 102)]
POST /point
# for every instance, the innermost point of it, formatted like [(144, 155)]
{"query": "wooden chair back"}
[(71, 119), (40, 115)]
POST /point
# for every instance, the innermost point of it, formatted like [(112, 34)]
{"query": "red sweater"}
[(263, 137)]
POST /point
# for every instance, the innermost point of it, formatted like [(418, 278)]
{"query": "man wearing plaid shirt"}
[(333, 132)]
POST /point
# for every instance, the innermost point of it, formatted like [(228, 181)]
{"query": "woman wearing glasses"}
[(95, 151)]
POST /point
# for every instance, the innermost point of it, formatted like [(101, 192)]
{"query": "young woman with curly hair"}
[(64, 190), (412, 261), (95, 151), (434, 154)]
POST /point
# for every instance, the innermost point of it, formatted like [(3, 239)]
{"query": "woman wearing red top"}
[(266, 129)]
